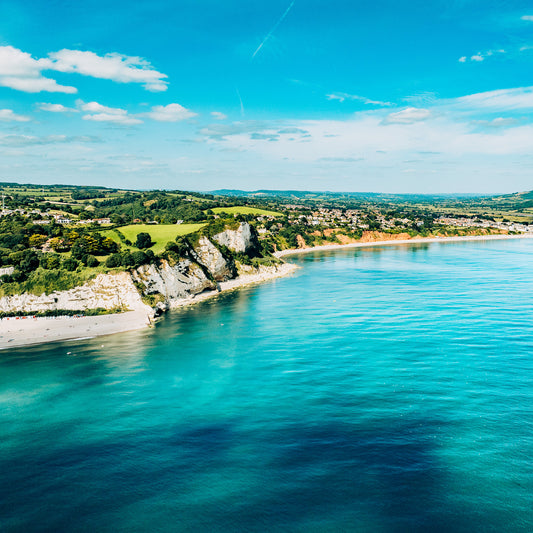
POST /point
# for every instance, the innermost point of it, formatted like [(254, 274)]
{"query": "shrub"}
[(139, 258), (127, 260), (92, 262), (113, 261), (51, 261), (70, 264), (144, 240)]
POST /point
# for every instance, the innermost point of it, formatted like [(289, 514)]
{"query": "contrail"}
[(273, 29), (240, 100)]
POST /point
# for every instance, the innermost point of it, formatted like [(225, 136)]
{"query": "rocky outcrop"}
[(211, 258), (243, 239), (182, 280)]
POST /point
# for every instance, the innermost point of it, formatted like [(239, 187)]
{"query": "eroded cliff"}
[(154, 287)]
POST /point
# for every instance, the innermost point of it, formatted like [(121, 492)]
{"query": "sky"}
[(383, 96)]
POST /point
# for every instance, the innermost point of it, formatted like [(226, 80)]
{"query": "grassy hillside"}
[(161, 234)]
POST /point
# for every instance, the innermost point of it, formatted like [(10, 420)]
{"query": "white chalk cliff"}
[(201, 271)]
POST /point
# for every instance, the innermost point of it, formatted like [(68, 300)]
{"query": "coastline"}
[(328, 247), (29, 331)]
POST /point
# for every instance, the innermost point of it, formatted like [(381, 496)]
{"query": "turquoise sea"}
[(386, 389)]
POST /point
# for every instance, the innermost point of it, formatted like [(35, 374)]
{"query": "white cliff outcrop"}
[(106, 291), (240, 240), (182, 280), (208, 255)]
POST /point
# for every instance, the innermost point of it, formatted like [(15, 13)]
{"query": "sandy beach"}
[(26, 331), (328, 247)]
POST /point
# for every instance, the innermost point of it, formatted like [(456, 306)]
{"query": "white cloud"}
[(365, 135), (56, 108), (501, 99), (499, 122), (18, 70), (529, 18), (95, 107), (341, 97), (30, 140), (115, 67), (102, 113), (169, 113), (218, 115), (7, 115), (409, 115), (113, 118), (481, 56)]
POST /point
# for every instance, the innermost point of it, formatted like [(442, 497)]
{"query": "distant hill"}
[(328, 195), (518, 200)]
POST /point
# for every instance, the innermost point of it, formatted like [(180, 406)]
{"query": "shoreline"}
[(243, 280), (28, 331), (328, 247)]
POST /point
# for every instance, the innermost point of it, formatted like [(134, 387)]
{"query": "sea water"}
[(379, 389)]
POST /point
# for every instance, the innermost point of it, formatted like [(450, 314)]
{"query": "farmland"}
[(161, 234)]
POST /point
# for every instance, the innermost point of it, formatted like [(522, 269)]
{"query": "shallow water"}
[(381, 389)]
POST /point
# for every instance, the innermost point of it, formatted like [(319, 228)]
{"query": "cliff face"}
[(182, 280), (203, 270), (108, 291), (243, 239), (210, 257), (204, 267)]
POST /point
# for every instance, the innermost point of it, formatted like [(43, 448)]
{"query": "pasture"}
[(160, 233)]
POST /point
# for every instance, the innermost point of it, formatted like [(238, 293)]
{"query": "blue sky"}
[(387, 96)]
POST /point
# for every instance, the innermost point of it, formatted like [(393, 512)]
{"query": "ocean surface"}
[(385, 389)]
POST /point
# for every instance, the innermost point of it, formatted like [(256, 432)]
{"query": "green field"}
[(161, 234), (245, 210)]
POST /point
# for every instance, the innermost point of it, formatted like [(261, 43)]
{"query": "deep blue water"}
[(383, 389)]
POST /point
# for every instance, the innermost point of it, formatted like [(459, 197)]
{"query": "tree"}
[(29, 261), (109, 245), (84, 245), (127, 260), (58, 245), (36, 240), (144, 240), (70, 264), (139, 258), (113, 261), (92, 262), (51, 261)]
